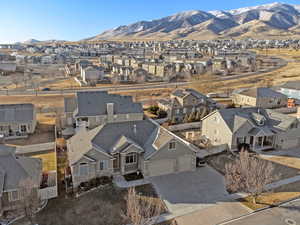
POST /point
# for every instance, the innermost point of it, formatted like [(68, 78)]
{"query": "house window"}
[(177, 111), (14, 196), (131, 158), (127, 116), (172, 145), (23, 128), (184, 110), (83, 169), (103, 164)]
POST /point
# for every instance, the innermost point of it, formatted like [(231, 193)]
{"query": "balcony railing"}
[(131, 167)]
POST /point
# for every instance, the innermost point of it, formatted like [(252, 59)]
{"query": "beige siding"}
[(216, 130), (93, 170), (172, 155)]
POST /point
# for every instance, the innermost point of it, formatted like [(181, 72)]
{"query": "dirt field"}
[(278, 195), (66, 83), (289, 161), (278, 77)]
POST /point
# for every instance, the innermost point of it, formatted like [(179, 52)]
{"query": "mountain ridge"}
[(273, 19)]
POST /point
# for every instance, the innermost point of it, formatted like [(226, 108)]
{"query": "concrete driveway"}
[(190, 191)]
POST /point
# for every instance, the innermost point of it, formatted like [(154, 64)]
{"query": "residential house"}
[(94, 108), (184, 102), (257, 127), (291, 89), (17, 120), (92, 74), (259, 97), (127, 147), (13, 171)]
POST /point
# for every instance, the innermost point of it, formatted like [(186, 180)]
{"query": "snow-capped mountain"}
[(267, 20)]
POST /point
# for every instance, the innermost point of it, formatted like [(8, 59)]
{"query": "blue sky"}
[(78, 19)]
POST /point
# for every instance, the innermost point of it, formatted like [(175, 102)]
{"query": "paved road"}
[(286, 214)]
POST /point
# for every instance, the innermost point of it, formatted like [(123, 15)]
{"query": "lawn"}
[(278, 195), (293, 162), (100, 207), (281, 171)]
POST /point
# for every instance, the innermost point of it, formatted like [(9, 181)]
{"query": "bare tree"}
[(248, 174), (141, 210), (30, 201)]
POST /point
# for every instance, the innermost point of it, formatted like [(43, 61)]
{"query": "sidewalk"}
[(122, 183)]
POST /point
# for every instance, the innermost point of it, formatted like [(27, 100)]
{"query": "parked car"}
[(46, 89), (200, 162)]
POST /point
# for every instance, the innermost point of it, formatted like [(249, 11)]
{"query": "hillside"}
[(276, 20)]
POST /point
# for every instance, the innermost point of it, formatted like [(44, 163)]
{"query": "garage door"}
[(161, 167), (291, 143), (184, 163)]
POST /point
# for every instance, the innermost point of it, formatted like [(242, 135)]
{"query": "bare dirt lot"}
[(274, 78)]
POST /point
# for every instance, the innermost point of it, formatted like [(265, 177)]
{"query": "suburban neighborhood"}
[(191, 119)]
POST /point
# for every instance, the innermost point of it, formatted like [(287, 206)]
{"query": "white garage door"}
[(291, 143), (184, 163), (161, 167)]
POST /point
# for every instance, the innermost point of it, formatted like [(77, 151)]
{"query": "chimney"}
[(110, 109)]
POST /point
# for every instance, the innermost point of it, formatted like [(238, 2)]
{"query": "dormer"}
[(259, 119)]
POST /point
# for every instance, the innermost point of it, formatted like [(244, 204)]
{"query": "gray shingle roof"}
[(236, 117), (261, 92), (16, 113), (292, 85), (145, 136), (92, 103), (19, 169), (137, 131)]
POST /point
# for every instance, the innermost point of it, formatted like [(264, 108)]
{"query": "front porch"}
[(257, 142)]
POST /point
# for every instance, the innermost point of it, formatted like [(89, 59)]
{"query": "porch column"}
[(262, 141), (254, 141), (122, 163)]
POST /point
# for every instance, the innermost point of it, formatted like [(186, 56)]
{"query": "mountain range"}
[(273, 21)]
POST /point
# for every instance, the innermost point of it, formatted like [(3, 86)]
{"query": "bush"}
[(153, 109), (161, 114)]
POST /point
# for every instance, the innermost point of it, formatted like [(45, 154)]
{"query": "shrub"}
[(153, 109)]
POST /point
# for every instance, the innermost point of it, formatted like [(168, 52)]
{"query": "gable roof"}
[(17, 169), (80, 144), (136, 131), (261, 93), (16, 113), (94, 103), (292, 85), (236, 117), (144, 135)]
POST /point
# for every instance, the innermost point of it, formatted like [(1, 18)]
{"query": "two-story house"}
[(259, 97), (94, 108), (257, 127), (17, 120), (128, 147), (185, 101), (13, 171)]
